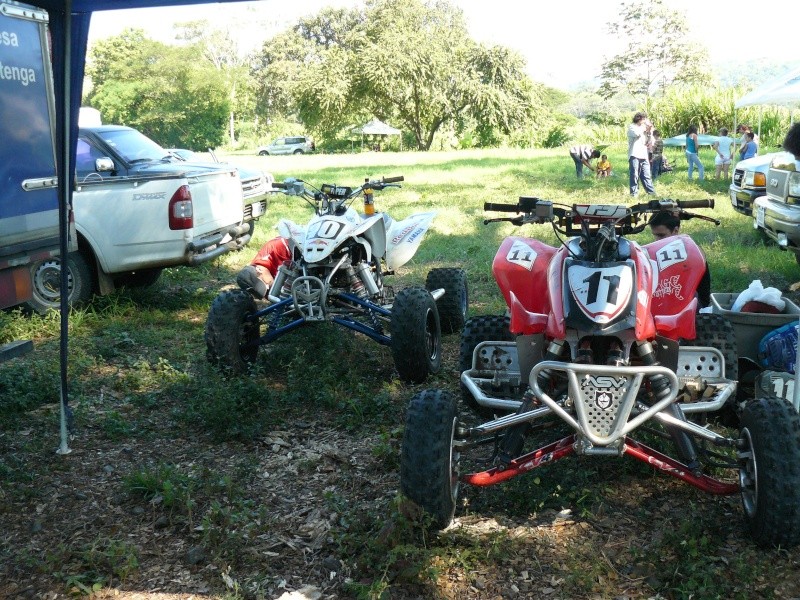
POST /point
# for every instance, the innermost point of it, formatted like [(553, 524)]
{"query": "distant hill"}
[(752, 73)]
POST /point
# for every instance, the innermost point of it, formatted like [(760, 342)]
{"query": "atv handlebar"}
[(279, 185), (393, 179), (708, 203), (515, 208)]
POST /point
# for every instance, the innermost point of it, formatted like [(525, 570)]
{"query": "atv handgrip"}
[(393, 179), (708, 203), (279, 185), (515, 208)]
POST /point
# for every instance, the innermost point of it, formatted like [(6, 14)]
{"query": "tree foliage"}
[(403, 61), (658, 51), (162, 90)]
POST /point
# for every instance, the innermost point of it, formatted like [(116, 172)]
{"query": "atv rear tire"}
[(769, 473), (480, 329), (455, 302), (717, 332), (416, 335), (428, 462), (232, 340)]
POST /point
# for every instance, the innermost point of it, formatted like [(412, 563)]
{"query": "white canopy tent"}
[(783, 90), (377, 127)]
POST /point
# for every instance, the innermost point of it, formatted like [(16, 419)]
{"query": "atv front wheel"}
[(769, 471), (428, 462), (232, 340), (416, 335), (483, 328), (455, 302)]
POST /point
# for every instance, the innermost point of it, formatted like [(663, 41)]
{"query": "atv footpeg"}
[(309, 295)]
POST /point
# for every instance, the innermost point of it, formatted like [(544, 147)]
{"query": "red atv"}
[(601, 340)]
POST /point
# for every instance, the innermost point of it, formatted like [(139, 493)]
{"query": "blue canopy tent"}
[(69, 28)]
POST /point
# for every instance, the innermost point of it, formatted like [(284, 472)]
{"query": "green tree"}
[(658, 51), (220, 48), (164, 91), (404, 61)]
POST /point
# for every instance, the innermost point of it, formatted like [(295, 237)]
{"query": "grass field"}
[(288, 476)]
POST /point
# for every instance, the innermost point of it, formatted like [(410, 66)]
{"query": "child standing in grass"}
[(657, 160)]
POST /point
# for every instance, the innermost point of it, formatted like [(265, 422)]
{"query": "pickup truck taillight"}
[(181, 215)]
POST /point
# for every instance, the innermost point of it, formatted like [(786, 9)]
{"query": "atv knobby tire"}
[(232, 340), (717, 332), (769, 473), (416, 335), (455, 302), (480, 329), (428, 461)]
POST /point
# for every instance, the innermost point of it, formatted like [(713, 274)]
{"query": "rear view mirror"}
[(103, 164)]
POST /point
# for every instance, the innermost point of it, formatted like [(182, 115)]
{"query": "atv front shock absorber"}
[(659, 387), (514, 439)]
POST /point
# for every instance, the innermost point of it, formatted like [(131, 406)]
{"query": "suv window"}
[(296, 140)]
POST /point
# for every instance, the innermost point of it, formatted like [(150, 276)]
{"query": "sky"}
[(564, 42)]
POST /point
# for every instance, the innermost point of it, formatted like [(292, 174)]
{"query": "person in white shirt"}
[(724, 149), (639, 132)]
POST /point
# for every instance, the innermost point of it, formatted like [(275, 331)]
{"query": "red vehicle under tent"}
[(68, 23)]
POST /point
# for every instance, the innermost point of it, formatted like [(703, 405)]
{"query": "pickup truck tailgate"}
[(217, 201)]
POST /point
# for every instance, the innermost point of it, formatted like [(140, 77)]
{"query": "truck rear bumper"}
[(206, 249)]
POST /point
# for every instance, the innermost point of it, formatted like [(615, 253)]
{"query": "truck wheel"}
[(769, 471), (480, 329), (140, 278), (46, 276), (455, 302), (717, 332), (416, 335), (429, 465), (232, 340)]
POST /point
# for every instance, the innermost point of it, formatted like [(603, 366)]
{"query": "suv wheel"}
[(297, 152), (263, 153)]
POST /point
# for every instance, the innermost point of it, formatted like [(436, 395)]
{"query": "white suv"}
[(288, 145)]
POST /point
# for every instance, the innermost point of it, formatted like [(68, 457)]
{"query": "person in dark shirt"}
[(666, 224), (791, 143)]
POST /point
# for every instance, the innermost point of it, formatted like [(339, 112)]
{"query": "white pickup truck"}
[(138, 210)]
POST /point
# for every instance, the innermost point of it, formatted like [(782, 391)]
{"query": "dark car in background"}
[(256, 184)]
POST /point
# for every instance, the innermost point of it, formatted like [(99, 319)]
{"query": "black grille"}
[(738, 175), (248, 209)]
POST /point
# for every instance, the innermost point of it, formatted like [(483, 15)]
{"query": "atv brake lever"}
[(513, 220), (685, 216)]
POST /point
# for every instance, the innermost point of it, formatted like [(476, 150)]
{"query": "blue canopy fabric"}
[(69, 31)]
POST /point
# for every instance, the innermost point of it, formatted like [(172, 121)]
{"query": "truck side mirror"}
[(103, 164)]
